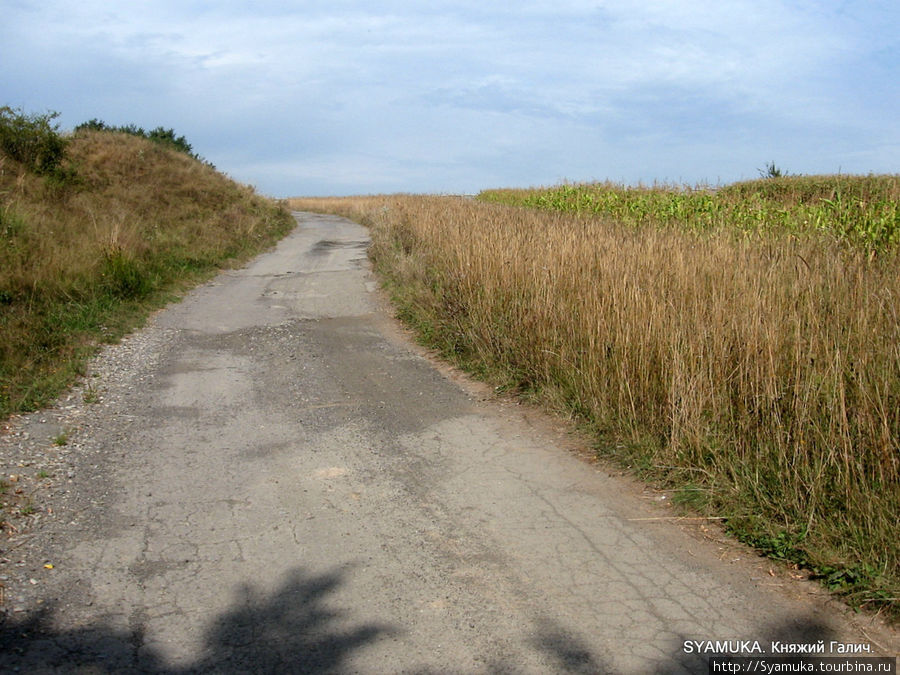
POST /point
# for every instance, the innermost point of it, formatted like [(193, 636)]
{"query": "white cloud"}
[(446, 93)]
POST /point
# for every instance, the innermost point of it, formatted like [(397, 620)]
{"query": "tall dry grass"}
[(759, 374)]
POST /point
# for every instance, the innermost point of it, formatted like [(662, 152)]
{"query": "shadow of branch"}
[(293, 629)]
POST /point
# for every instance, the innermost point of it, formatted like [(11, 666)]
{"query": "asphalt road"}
[(275, 480)]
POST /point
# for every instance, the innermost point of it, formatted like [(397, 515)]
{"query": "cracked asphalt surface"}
[(275, 480)]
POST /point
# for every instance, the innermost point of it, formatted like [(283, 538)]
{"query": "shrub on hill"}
[(33, 140), (159, 135)]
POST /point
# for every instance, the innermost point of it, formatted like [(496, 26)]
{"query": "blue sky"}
[(345, 97)]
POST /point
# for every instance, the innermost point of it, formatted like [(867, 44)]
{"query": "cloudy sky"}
[(346, 97)]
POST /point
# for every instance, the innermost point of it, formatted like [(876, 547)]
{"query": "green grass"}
[(91, 394)]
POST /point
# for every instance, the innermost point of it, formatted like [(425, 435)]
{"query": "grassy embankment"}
[(96, 230), (739, 347)]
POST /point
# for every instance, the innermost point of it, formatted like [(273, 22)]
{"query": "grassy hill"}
[(97, 229)]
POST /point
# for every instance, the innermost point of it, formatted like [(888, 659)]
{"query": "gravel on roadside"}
[(53, 467)]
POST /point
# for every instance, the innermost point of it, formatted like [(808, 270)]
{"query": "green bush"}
[(159, 135), (32, 140), (168, 137)]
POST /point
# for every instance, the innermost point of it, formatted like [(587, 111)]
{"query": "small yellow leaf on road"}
[(48, 566)]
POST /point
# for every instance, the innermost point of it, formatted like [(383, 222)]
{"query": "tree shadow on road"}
[(568, 653), (292, 630), (296, 630)]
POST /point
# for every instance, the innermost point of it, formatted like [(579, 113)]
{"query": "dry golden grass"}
[(761, 374)]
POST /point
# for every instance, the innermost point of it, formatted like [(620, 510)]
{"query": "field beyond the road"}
[(739, 347)]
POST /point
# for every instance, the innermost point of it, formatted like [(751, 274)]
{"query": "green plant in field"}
[(693, 496), (125, 277), (43, 473), (772, 171), (91, 394), (61, 439), (11, 224), (861, 211), (33, 140), (780, 546)]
